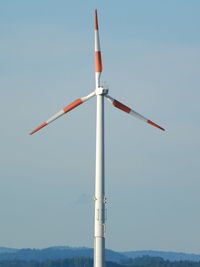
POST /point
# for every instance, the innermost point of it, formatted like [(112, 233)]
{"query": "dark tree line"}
[(145, 261)]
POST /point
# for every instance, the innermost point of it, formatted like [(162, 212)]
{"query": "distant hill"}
[(7, 250), (171, 256), (54, 253)]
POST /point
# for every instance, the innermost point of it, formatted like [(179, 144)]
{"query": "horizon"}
[(83, 247)]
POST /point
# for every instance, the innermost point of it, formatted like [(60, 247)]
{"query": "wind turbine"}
[(101, 93)]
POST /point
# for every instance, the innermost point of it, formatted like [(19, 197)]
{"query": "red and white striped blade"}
[(128, 110), (98, 61), (66, 109)]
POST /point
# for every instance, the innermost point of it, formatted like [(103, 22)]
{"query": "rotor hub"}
[(101, 91)]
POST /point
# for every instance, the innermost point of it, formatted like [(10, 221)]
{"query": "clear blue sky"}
[(151, 60)]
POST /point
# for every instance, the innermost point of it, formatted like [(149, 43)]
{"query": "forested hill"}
[(86, 262), (54, 253), (171, 256)]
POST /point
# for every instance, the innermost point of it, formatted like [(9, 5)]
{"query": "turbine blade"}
[(98, 60), (66, 109), (128, 110)]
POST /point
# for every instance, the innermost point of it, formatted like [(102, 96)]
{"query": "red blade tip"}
[(96, 20), (38, 128), (155, 125)]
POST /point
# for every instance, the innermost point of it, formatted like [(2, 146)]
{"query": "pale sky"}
[(151, 62)]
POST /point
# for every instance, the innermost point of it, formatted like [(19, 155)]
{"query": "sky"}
[(151, 62)]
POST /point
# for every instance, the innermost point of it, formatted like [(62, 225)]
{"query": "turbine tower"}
[(101, 93)]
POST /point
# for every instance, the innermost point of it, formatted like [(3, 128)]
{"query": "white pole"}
[(99, 220), (99, 214)]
